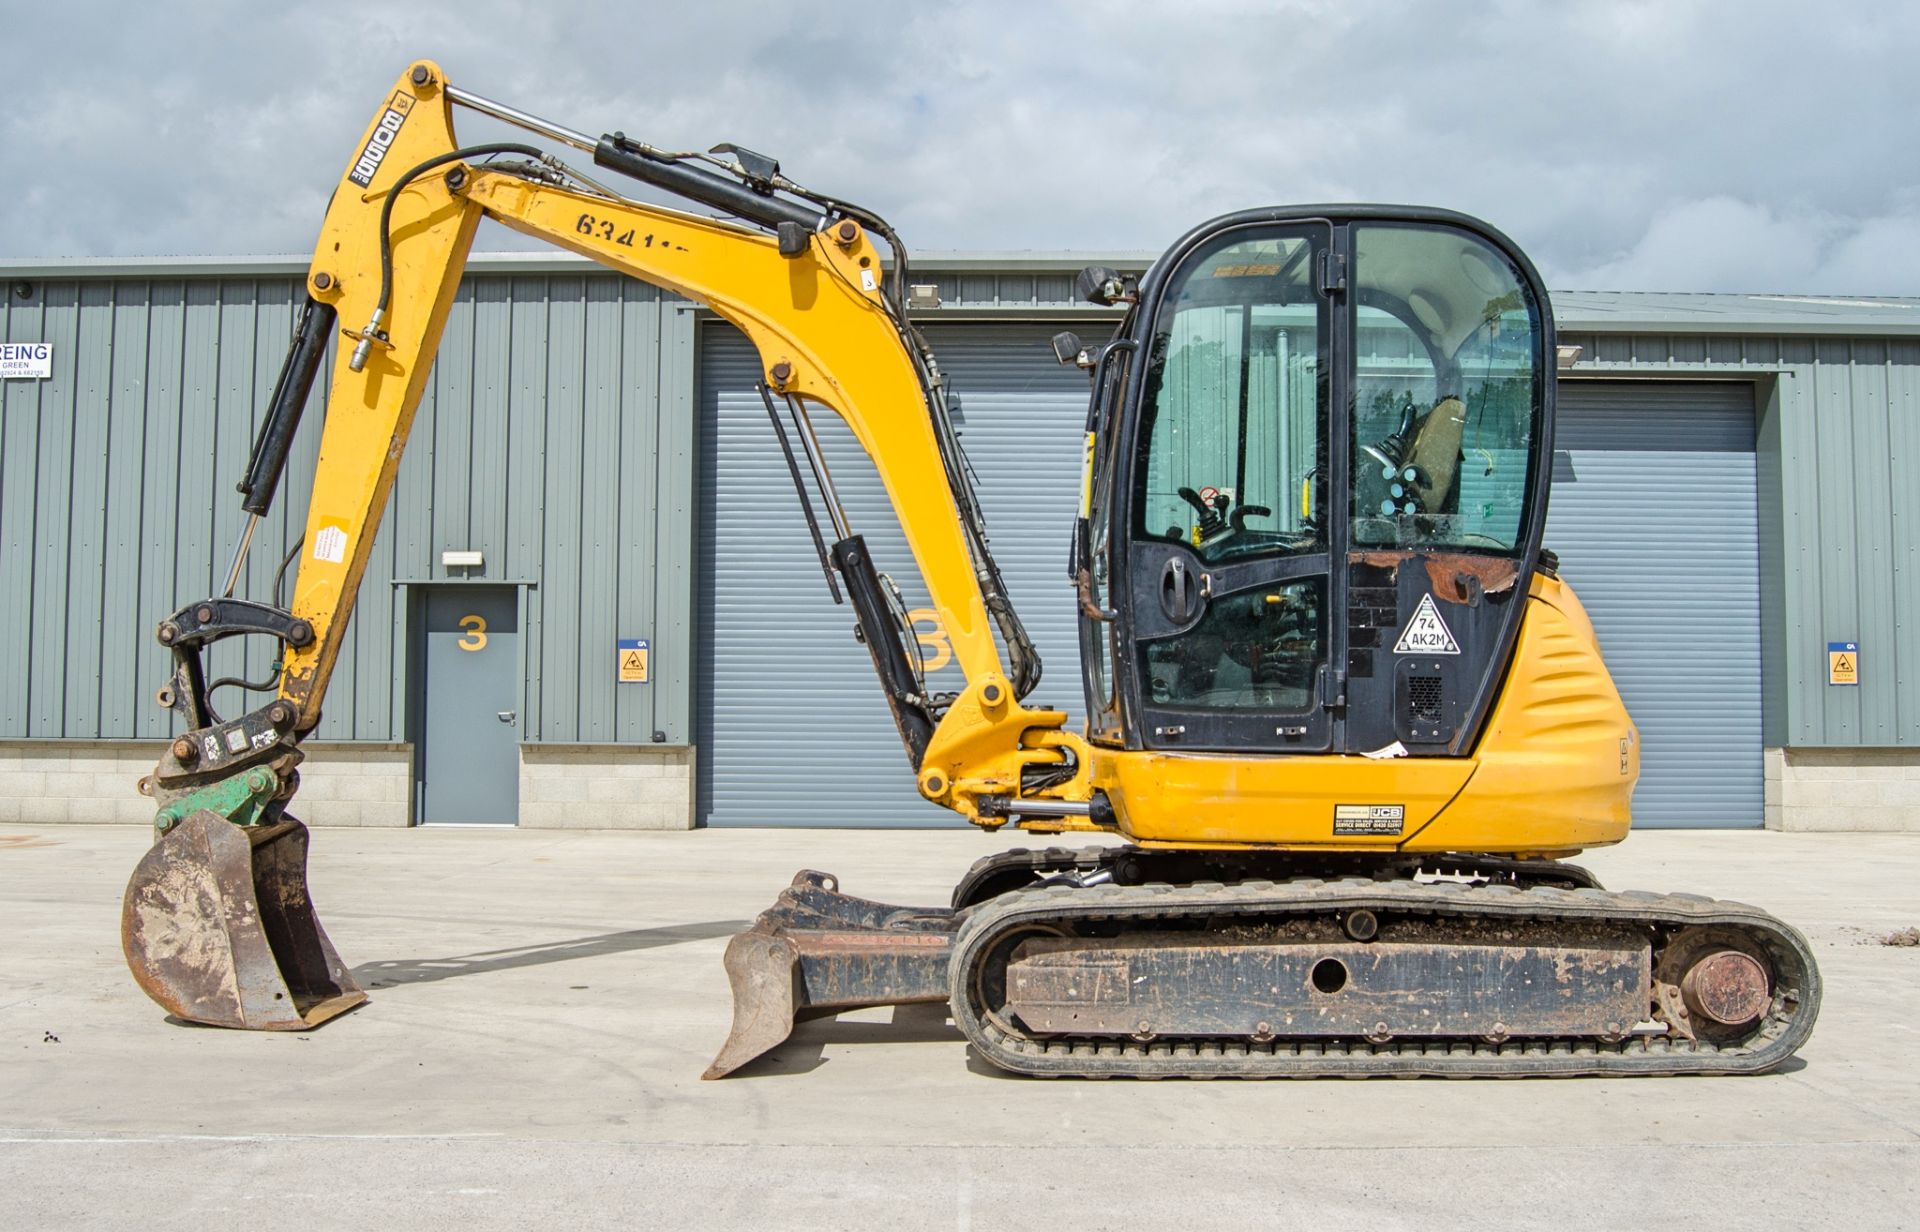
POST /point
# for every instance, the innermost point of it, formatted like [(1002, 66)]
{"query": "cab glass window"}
[(1257, 650), (1232, 444), (1447, 388)]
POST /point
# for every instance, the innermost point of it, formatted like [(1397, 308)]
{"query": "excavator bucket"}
[(816, 952), (219, 929)]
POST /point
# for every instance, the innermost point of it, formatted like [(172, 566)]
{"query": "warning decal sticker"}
[(330, 541), (1369, 818), (1426, 633), (631, 655)]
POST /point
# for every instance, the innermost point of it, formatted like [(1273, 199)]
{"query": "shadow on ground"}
[(391, 972), (805, 1050)]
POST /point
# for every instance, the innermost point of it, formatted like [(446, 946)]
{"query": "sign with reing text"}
[(26, 360)]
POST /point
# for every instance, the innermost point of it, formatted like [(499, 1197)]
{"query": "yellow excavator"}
[(1341, 707)]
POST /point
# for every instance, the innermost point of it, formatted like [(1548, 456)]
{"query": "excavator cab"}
[(1317, 486)]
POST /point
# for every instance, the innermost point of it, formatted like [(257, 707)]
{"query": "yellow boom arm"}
[(819, 319)]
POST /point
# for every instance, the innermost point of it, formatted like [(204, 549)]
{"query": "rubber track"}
[(1788, 1023)]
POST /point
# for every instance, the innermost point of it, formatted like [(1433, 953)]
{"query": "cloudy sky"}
[(1740, 146)]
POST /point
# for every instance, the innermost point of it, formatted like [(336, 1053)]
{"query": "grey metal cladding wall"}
[(1843, 434), (532, 443), (793, 729), (1850, 442), (1653, 515), (116, 487), (580, 457)]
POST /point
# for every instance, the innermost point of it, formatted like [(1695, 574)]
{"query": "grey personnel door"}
[(466, 754)]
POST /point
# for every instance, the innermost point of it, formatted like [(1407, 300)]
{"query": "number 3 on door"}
[(476, 636)]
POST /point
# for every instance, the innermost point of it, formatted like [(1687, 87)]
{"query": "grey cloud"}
[(1727, 244), (1724, 146)]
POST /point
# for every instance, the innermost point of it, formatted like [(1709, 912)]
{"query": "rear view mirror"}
[(1097, 284), (1068, 349)]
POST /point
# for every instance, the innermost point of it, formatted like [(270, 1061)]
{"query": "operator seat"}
[(1435, 450)]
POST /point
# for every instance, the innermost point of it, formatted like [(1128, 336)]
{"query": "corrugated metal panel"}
[(1654, 518), (1842, 432), (1769, 481), (793, 729), (537, 437), (19, 504), (46, 651), (1899, 629)]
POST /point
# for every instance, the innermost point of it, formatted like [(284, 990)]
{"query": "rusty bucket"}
[(218, 927)]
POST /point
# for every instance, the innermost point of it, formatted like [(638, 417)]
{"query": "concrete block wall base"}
[(96, 781), (355, 784), (1843, 789), (567, 786), (80, 781), (606, 787)]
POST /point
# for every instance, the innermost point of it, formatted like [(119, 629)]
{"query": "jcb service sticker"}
[(1369, 818)]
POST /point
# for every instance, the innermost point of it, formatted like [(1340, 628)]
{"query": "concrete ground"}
[(543, 1004)]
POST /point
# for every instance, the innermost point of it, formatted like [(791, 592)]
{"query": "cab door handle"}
[(1183, 591)]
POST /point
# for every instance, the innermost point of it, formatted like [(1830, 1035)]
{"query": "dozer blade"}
[(219, 929), (816, 952), (763, 971)]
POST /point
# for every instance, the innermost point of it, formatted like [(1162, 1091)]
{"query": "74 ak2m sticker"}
[(1426, 633)]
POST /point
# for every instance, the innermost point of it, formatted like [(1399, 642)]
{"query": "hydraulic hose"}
[(386, 223)]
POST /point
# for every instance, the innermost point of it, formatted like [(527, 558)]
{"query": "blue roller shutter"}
[(1655, 522), (791, 726)]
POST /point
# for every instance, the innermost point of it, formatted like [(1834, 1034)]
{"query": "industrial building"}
[(594, 495)]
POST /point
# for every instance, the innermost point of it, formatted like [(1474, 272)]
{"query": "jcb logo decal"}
[(384, 132)]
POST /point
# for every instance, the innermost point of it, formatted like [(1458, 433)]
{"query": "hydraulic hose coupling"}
[(367, 335)]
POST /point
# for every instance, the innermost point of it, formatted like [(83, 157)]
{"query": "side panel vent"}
[(1423, 699), (1426, 696)]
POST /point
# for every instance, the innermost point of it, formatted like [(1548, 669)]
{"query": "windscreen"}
[(1234, 433)]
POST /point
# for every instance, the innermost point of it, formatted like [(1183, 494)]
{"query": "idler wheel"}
[(1727, 987)]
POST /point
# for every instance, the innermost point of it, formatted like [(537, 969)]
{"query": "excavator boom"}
[(804, 282)]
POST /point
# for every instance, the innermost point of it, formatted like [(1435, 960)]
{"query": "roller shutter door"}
[(791, 725), (1655, 521)]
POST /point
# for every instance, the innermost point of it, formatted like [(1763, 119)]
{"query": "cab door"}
[(1229, 592), (1332, 451), (1447, 420)]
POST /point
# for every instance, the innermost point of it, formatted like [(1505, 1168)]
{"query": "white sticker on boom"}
[(1426, 633), (330, 543), (867, 281)]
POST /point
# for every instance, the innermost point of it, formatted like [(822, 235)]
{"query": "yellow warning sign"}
[(630, 656), (1843, 663)]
